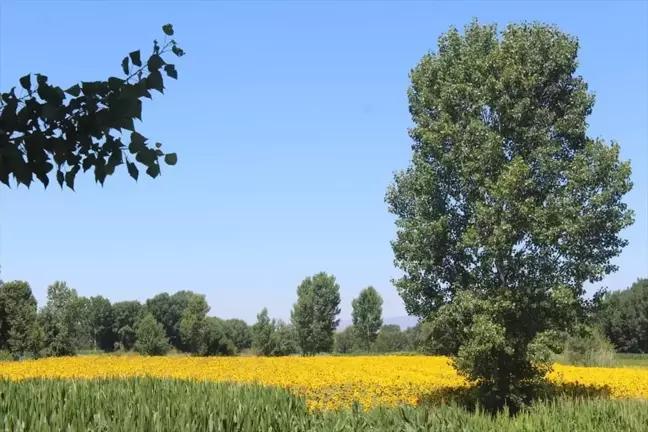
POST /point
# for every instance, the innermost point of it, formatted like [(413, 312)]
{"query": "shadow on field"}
[(547, 392)]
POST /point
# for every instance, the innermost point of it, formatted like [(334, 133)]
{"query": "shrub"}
[(590, 349), (151, 337)]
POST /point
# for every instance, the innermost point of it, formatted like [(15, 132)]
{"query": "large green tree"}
[(192, 323), (262, 331), (60, 320), (239, 332), (624, 318), (45, 129), (102, 323), (314, 315), (167, 310), (367, 315), (126, 314), (18, 312), (508, 207), (151, 337)]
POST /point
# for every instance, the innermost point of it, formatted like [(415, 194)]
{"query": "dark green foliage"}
[(623, 318), (171, 405), (126, 314), (167, 310), (273, 337), (202, 335), (45, 129), (346, 341), (367, 315), (315, 313), (239, 333), (508, 207), (18, 312), (192, 324), (150, 337), (391, 339), (59, 320), (262, 331), (214, 339), (102, 322)]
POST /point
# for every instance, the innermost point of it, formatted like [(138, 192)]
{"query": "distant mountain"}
[(403, 321)]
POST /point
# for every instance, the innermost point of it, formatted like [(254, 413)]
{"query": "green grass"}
[(632, 360), (145, 404)]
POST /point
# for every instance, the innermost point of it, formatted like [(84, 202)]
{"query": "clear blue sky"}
[(289, 119)]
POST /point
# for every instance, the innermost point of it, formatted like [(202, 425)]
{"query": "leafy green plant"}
[(171, 405), (590, 349), (151, 338), (51, 129)]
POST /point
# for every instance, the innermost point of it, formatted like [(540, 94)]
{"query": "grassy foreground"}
[(150, 404)]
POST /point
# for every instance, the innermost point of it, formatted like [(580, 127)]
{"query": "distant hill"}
[(403, 321)]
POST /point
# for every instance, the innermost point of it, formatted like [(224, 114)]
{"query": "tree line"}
[(69, 323)]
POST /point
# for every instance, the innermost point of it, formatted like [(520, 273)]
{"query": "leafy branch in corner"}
[(51, 129)]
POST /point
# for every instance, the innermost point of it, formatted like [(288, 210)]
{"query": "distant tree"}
[(41, 129), (284, 339), (262, 331), (214, 341), (413, 335), (102, 322), (18, 312), (315, 313), (192, 324), (59, 320), (391, 339), (238, 332), (367, 316), (345, 341), (126, 314), (84, 338), (508, 207), (167, 310), (151, 337), (623, 318)]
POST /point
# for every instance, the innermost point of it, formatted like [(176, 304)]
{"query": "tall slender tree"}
[(367, 316), (17, 317), (314, 315)]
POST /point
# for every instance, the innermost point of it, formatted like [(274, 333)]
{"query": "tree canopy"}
[(45, 129), (508, 207), (367, 315), (623, 318)]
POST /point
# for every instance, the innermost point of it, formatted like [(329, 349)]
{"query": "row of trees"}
[(623, 318), (69, 322)]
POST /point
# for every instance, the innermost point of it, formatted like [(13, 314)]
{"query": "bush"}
[(151, 337), (5, 356), (590, 349)]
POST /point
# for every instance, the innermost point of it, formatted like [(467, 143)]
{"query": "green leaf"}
[(171, 71), (158, 144), (75, 90), (135, 58), (132, 170), (153, 170), (124, 65), (115, 83), (177, 51), (154, 81), (126, 123), (25, 82), (88, 162), (41, 79), (171, 159), (154, 63), (69, 177), (167, 29), (59, 177)]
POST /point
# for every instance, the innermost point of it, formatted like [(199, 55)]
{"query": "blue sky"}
[(289, 119)]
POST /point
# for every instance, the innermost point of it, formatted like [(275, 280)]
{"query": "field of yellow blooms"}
[(325, 382)]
